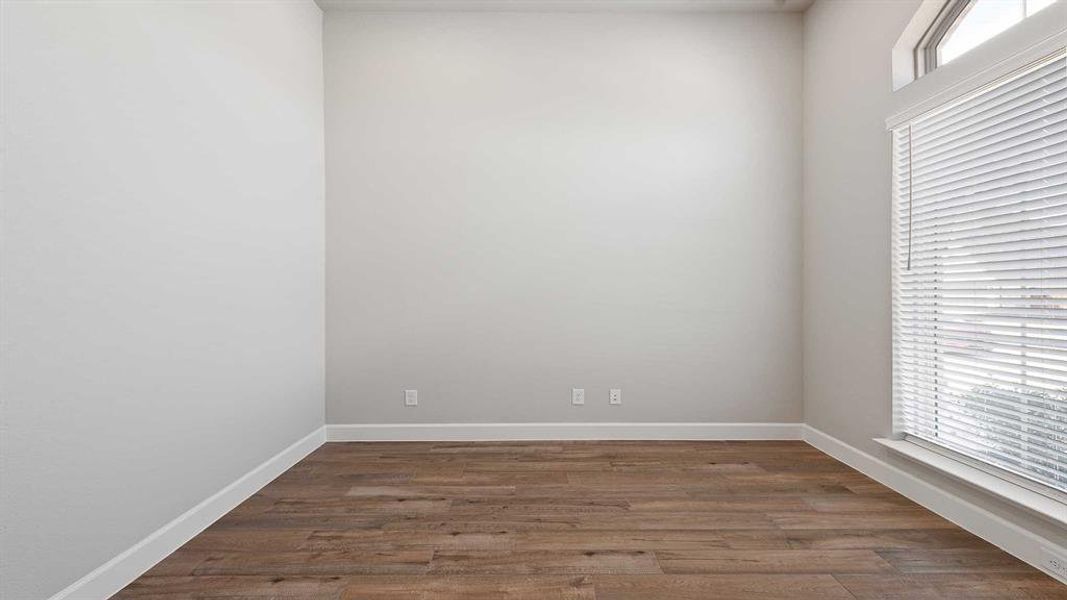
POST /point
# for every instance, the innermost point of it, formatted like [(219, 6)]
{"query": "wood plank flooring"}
[(583, 520)]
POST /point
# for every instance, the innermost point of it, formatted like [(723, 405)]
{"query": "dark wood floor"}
[(604, 520)]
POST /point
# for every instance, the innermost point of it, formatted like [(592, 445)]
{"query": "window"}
[(964, 24), (980, 276)]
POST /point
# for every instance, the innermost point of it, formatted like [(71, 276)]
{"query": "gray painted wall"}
[(847, 337), (523, 203), (162, 261)]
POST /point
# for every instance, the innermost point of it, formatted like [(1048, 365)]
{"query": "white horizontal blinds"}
[(980, 275)]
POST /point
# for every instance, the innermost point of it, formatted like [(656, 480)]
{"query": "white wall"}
[(162, 266), (847, 313), (520, 203)]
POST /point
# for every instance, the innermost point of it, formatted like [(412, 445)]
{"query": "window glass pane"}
[(982, 20)]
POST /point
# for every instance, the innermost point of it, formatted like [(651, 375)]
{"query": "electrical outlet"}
[(1055, 564), (411, 397), (577, 396), (615, 397)]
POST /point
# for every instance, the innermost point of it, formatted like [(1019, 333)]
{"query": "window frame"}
[(1030, 40), (952, 12), (1050, 49)]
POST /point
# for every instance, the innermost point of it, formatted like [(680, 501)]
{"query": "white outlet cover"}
[(615, 397), (577, 396), (411, 397)]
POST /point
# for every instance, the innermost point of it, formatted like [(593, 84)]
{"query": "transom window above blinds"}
[(980, 275)]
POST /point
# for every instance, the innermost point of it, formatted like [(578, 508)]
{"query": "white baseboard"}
[(472, 432), (118, 572), (1013, 539)]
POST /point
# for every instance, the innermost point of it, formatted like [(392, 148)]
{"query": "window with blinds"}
[(980, 275)]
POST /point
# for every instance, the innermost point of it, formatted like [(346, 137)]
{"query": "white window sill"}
[(1039, 504)]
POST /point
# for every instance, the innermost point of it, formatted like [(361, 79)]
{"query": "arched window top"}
[(964, 24)]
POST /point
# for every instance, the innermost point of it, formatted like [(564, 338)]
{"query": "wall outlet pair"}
[(578, 396)]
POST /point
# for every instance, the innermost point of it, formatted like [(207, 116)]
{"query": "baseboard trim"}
[(482, 432), (1013, 539), (118, 572)]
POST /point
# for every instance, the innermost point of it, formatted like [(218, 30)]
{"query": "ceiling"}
[(566, 5)]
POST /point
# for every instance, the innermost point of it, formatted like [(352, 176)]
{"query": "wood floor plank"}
[(544, 505), (546, 562), (956, 560), (447, 540), (915, 518), (568, 541), (838, 503), (355, 505), (229, 540), (583, 521), (719, 587), (954, 586), (632, 493), (726, 503), (459, 492), (243, 587), (460, 587), (880, 539), (516, 520), (334, 562), (772, 561)]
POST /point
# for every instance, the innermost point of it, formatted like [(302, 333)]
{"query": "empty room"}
[(533, 299)]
